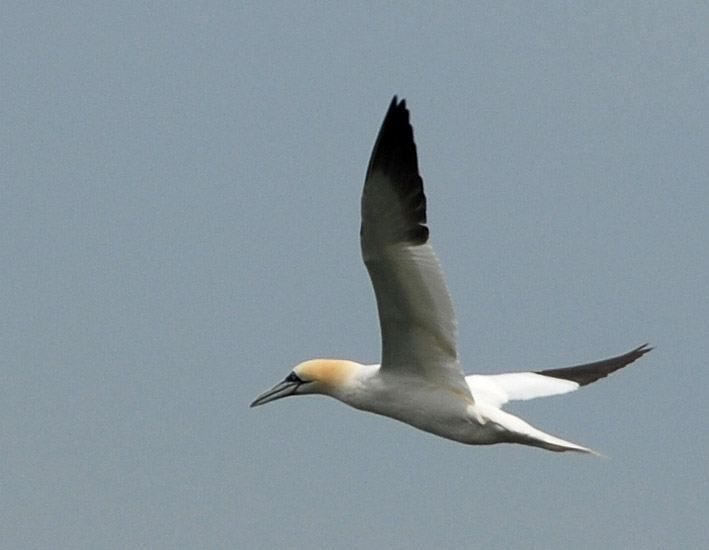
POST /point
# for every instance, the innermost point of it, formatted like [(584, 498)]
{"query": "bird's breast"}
[(420, 403)]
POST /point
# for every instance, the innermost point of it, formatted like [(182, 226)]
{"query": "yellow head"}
[(324, 376)]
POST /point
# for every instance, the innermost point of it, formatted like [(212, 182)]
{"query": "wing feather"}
[(498, 389), (417, 321)]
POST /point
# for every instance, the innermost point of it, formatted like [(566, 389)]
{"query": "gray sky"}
[(179, 203)]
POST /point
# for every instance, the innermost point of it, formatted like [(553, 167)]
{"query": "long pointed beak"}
[(280, 390)]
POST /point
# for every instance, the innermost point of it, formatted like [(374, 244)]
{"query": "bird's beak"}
[(280, 390)]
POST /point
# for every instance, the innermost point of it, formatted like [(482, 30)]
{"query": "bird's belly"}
[(435, 410)]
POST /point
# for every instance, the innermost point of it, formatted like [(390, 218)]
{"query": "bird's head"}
[(325, 376)]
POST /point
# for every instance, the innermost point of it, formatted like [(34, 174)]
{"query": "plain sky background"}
[(179, 211)]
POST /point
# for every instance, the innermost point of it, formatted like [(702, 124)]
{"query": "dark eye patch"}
[(293, 377)]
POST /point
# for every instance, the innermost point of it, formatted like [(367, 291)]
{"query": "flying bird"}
[(420, 380)]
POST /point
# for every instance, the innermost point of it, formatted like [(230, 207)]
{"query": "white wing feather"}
[(418, 325), (498, 389)]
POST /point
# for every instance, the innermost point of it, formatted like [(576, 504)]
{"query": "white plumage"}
[(420, 380)]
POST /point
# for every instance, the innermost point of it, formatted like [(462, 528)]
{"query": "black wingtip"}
[(588, 373), (638, 352), (394, 155)]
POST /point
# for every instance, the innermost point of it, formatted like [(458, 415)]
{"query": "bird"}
[(420, 380)]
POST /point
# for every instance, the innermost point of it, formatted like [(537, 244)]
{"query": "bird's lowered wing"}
[(498, 389)]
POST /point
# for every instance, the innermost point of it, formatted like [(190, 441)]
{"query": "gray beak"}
[(280, 390)]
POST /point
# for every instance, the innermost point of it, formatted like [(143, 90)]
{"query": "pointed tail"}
[(516, 430)]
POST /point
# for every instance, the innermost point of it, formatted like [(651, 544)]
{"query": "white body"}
[(445, 412)]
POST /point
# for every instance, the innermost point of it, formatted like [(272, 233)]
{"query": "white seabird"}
[(419, 380)]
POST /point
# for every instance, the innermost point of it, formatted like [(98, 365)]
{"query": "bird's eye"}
[(293, 377)]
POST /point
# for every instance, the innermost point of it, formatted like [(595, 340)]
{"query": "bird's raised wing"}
[(498, 389), (418, 325)]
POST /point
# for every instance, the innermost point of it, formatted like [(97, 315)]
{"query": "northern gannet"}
[(419, 380)]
